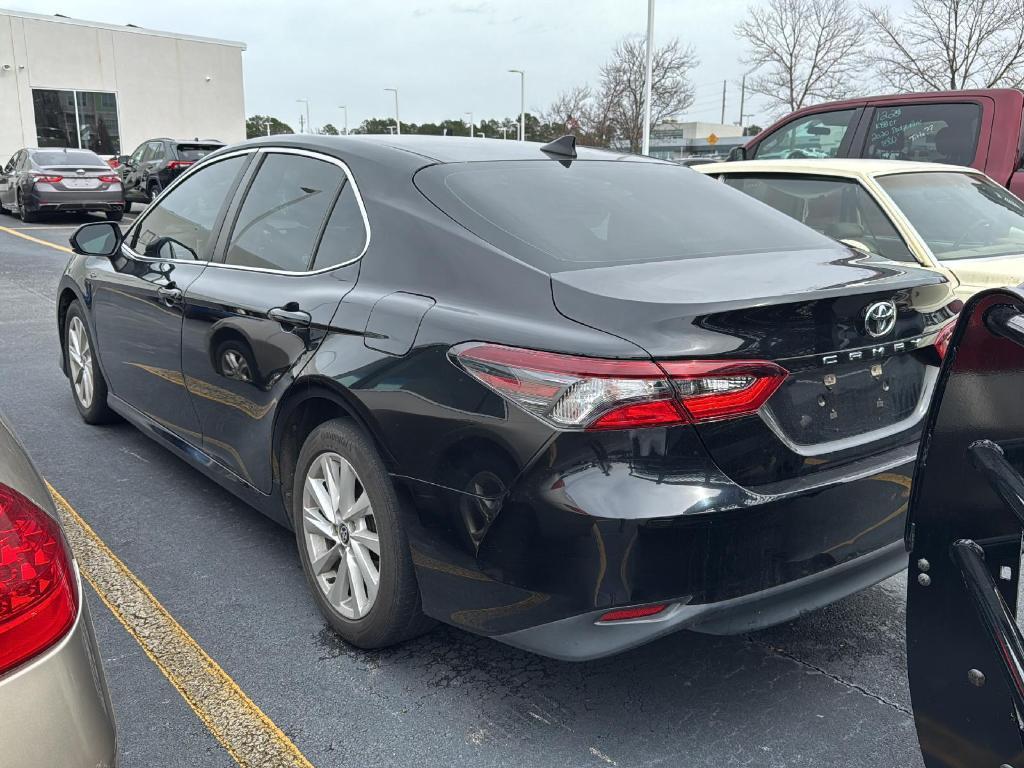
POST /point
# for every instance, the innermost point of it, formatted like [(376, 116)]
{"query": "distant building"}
[(105, 87), (672, 141)]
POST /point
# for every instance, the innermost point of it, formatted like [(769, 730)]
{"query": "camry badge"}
[(880, 318)]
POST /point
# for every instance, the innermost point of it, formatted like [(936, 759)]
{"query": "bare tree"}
[(940, 44), (802, 51), (618, 107), (570, 108)]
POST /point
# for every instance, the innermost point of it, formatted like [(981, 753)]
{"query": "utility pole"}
[(302, 125), (724, 82), (267, 124), (309, 123), (522, 103), (743, 96), (646, 142), (470, 123), (398, 122)]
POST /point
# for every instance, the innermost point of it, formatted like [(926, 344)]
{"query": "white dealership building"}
[(71, 83)]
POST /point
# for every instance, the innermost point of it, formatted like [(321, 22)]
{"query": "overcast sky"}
[(446, 58)]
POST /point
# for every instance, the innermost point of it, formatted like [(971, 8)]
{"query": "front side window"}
[(77, 119), (283, 213), (838, 208), (934, 133), (959, 215), (181, 225), (818, 135)]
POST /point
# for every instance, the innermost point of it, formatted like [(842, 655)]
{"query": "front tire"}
[(88, 387), (114, 215), (351, 541)]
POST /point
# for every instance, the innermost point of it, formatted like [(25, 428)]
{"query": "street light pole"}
[(522, 102), (470, 123), (267, 125), (309, 125), (345, 110), (398, 122), (646, 146)]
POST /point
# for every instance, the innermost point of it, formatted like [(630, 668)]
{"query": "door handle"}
[(169, 296), (289, 316)]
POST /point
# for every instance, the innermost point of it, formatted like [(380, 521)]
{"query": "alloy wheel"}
[(80, 360), (236, 366), (340, 534)]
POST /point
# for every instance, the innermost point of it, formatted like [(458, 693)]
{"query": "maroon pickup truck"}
[(982, 129)]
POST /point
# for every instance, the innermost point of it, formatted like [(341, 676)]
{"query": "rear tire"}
[(127, 206), (24, 214), (339, 529), (88, 387), (114, 215)]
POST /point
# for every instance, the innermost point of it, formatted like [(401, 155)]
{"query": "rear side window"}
[(818, 135), (345, 235), (181, 224), (195, 152), (597, 213), (838, 208), (935, 133), (284, 211)]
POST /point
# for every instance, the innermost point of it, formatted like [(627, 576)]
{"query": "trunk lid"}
[(850, 393)]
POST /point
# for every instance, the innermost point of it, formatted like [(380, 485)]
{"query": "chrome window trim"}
[(931, 375), (262, 151)]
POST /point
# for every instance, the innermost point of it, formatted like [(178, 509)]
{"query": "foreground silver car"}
[(54, 707)]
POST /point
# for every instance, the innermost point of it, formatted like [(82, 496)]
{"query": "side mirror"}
[(98, 238), (737, 153)]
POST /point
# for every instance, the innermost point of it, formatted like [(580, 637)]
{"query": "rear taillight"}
[(47, 179), (174, 165), (109, 179), (114, 163), (631, 614), (570, 392), (38, 594), (942, 340)]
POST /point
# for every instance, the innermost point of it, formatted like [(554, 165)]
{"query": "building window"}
[(77, 120)]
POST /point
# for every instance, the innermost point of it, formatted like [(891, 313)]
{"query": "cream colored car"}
[(949, 218)]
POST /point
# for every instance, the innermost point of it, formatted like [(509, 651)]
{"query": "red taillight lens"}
[(38, 594), (943, 339), (109, 179), (572, 392), (114, 163), (640, 612), (715, 390), (174, 165), (47, 179)]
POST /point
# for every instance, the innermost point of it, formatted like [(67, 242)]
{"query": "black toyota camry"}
[(570, 399)]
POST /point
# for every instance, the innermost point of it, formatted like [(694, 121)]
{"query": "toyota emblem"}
[(880, 318)]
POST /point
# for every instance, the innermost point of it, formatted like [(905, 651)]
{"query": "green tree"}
[(329, 130), (257, 126), (752, 130), (383, 125)]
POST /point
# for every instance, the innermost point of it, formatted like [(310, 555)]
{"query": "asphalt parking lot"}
[(829, 689)]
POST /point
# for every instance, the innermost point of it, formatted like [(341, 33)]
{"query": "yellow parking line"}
[(235, 721), (23, 236)]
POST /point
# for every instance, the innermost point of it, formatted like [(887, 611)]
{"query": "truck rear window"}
[(934, 133), (597, 213)]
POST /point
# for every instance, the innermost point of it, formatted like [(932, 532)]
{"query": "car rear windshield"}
[(66, 157), (196, 151), (959, 215), (599, 213)]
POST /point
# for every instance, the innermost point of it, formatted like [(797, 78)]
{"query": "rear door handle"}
[(169, 296), (293, 317)]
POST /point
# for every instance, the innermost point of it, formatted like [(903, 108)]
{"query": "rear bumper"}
[(583, 637), (58, 706), (76, 201)]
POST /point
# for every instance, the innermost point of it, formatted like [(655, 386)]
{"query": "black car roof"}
[(441, 149)]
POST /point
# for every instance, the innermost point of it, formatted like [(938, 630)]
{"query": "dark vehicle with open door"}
[(155, 163)]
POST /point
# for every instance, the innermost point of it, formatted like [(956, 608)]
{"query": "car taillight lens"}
[(109, 179), (47, 179), (114, 163), (173, 165), (639, 612), (943, 339), (571, 392), (38, 594)]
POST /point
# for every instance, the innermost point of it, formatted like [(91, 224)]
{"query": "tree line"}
[(799, 52)]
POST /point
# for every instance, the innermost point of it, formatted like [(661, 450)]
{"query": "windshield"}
[(193, 152), (66, 157), (959, 215), (597, 213)]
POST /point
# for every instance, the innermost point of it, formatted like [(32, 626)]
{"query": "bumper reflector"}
[(640, 612)]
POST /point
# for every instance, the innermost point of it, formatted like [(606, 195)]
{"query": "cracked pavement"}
[(828, 689)]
